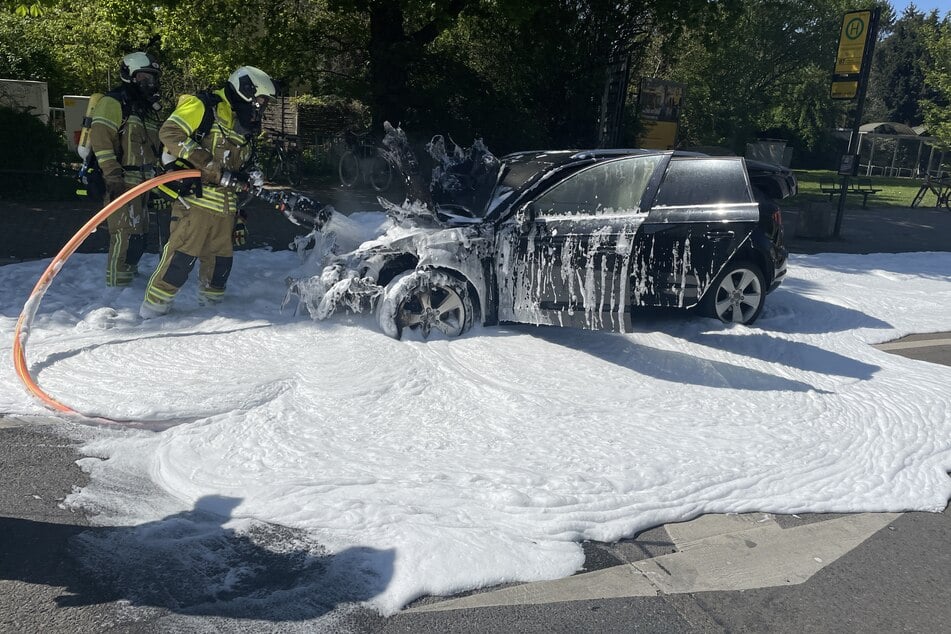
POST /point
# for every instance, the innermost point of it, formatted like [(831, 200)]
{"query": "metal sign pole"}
[(850, 30)]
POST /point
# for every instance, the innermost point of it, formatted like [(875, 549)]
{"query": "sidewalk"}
[(30, 231), (877, 230), (39, 230)]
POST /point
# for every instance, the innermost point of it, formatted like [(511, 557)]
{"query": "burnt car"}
[(568, 238)]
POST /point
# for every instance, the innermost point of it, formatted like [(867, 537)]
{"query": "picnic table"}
[(859, 187)]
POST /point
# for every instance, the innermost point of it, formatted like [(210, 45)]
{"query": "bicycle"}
[(281, 160), (366, 162), (937, 186)]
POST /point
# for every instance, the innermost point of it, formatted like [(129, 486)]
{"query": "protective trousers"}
[(127, 230), (196, 234)]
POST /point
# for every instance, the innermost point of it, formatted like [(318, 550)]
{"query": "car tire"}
[(737, 295), (424, 301)]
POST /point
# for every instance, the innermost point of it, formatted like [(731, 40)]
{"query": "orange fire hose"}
[(22, 332)]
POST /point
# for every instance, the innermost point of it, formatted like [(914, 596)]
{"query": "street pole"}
[(857, 122)]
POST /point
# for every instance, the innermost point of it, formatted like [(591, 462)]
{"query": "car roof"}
[(520, 170)]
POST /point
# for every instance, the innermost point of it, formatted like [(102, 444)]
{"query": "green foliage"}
[(901, 60), (24, 9), (30, 171), (37, 145), (938, 78), (517, 74), (755, 65), (327, 115), (21, 55)]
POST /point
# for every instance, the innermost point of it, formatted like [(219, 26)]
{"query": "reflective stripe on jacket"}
[(120, 144), (221, 149)]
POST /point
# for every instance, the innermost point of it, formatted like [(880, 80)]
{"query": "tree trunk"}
[(389, 72)]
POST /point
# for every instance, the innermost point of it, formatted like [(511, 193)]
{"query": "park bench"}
[(862, 187), (829, 186)]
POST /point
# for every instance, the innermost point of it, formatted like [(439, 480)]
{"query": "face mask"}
[(251, 113), (148, 85)]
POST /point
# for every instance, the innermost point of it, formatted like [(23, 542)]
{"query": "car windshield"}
[(613, 187)]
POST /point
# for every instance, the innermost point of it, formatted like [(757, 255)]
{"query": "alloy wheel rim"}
[(739, 296), (437, 307)]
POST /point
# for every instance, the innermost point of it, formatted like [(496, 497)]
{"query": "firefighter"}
[(213, 133), (124, 137)]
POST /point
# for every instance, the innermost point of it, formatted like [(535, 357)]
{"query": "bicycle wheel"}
[(268, 164), (349, 169), (381, 173), (292, 171)]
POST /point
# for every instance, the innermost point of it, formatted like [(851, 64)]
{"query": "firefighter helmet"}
[(135, 62), (250, 82)]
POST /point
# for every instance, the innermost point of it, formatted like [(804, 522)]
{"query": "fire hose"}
[(296, 207)]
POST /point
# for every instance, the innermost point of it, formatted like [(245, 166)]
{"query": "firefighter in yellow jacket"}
[(124, 137), (220, 147)]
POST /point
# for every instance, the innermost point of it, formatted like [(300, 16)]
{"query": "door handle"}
[(718, 235)]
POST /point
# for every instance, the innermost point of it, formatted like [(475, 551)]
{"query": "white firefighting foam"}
[(434, 467)]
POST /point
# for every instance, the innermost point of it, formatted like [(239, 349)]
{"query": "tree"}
[(897, 83), (398, 32), (756, 65), (938, 79)]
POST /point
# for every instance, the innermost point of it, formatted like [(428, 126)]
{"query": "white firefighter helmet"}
[(250, 82), (135, 62)]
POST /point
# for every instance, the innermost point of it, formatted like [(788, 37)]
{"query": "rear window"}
[(704, 181)]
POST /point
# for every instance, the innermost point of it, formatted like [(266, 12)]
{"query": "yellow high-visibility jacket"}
[(126, 147), (221, 149)]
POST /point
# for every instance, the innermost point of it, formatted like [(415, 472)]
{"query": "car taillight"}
[(777, 218)]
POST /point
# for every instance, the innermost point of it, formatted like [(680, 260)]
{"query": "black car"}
[(571, 238)]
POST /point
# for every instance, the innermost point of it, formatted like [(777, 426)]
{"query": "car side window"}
[(607, 188), (703, 181)]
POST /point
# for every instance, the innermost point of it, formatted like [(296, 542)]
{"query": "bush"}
[(29, 144), (33, 157)]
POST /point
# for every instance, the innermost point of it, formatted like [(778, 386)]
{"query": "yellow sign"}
[(845, 89), (848, 60), (659, 135)]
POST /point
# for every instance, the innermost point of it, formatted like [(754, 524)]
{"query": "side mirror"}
[(524, 217)]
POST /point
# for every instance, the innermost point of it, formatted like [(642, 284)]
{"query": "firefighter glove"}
[(240, 235), (115, 188)]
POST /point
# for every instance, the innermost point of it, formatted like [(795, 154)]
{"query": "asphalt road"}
[(818, 573), (758, 572)]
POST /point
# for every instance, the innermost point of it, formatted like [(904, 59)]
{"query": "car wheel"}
[(424, 301), (737, 295)]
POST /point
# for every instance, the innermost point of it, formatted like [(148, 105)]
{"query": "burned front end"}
[(427, 265), (411, 242)]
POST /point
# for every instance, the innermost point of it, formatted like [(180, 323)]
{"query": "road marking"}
[(920, 343), (760, 557)]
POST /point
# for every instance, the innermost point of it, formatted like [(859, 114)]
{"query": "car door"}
[(702, 212), (567, 262)]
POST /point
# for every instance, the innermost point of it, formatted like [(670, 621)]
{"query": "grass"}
[(895, 192)]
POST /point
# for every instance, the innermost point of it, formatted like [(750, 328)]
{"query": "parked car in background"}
[(570, 238)]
